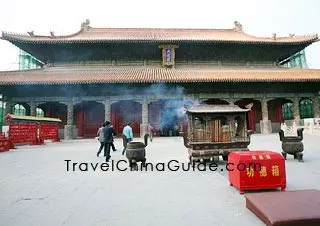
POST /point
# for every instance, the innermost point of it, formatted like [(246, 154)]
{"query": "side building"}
[(149, 75)]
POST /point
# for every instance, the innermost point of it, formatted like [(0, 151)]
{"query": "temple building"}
[(150, 75)]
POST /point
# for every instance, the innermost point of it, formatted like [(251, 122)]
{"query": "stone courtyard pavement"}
[(36, 188)]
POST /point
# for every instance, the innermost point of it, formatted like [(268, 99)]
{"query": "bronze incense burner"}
[(216, 130), (292, 145), (136, 151)]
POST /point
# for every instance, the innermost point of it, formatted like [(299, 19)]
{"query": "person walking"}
[(112, 143), (150, 131), (100, 138), (108, 133), (128, 136)]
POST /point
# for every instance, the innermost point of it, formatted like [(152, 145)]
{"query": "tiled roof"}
[(158, 35), (104, 74)]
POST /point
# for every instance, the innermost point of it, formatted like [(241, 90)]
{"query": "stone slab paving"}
[(37, 189)]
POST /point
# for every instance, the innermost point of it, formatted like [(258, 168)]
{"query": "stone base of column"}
[(265, 127), (70, 132), (143, 130)]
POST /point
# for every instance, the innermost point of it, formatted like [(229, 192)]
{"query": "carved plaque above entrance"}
[(168, 55)]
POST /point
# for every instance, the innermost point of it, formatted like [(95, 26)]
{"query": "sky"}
[(258, 18)]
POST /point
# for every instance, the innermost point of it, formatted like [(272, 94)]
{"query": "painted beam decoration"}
[(168, 55)]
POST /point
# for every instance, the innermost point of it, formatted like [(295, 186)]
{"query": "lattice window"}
[(287, 111), (306, 109), (19, 110), (40, 112), (2, 113)]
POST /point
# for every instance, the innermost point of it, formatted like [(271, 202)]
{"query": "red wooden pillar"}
[(154, 116), (81, 121), (278, 112), (48, 112), (275, 111), (114, 117), (252, 119), (280, 115), (252, 114)]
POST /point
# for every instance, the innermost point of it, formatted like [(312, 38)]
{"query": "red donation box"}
[(5, 143), (256, 170)]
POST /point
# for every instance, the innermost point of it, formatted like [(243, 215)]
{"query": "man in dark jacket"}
[(108, 133), (112, 143)]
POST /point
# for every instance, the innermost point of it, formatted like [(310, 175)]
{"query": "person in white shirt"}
[(128, 135)]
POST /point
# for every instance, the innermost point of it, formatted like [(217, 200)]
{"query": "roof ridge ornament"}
[(238, 26), (85, 25), (31, 33), (274, 36)]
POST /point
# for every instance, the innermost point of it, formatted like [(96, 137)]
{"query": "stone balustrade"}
[(311, 127)]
